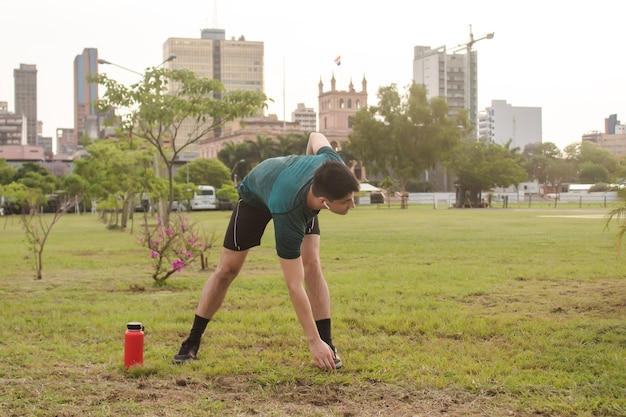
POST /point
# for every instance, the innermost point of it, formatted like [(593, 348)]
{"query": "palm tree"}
[(261, 149), (290, 144)]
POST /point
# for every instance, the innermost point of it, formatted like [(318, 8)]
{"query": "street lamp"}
[(471, 93), (105, 62), (233, 171), (168, 59)]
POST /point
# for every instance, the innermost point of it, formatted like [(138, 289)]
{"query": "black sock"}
[(323, 328), (199, 326)]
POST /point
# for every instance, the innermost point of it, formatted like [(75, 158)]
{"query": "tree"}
[(38, 227), (204, 171), (593, 173), (155, 108), (261, 149), (38, 183), (481, 165), (228, 192), (590, 159), (405, 134), (118, 169), (540, 157), (292, 144), (7, 172), (16, 196)]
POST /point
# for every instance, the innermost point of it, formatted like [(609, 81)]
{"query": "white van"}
[(204, 198)]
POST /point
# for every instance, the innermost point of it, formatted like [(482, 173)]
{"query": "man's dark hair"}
[(334, 180)]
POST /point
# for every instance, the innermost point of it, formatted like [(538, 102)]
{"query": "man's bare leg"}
[(211, 299)]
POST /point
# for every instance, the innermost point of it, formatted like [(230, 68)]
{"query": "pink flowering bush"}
[(175, 247)]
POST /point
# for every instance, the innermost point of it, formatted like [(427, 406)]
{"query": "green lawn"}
[(456, 312)]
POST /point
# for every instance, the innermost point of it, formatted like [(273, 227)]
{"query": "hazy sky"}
[(565, 57)]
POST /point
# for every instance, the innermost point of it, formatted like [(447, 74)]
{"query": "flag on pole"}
[(338, 60)]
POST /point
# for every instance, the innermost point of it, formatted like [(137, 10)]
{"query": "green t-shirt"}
[(280, 185)]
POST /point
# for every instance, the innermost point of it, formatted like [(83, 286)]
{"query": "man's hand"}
[(323, 355)]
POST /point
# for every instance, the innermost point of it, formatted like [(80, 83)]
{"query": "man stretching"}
[(291, 191)]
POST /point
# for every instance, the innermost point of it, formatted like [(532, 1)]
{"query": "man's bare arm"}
[(293, 272), (316, 141)]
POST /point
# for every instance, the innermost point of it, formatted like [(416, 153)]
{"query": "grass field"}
[(447, 312)]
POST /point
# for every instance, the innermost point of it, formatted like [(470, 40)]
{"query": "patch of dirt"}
[(114, 395), (603, 299)]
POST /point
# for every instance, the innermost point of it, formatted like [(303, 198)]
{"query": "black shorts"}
[(248, 223)]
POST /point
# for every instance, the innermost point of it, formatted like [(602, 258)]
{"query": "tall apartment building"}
[(85, 93), (12, 127), (503, 122), (306, 116), (453, 76), (237, 63), (442, 74), (26, 99)]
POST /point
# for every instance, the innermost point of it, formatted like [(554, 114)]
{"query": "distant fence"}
[(436, 200), (446, 200)]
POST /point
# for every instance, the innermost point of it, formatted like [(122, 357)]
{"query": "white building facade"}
[(503, 122), (306, 116)]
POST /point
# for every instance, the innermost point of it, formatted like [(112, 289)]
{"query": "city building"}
[(503, 122), (442, 74), (241, 131), (337, 109), (336, 113), (453, 76), (26, 99), (66, 141), (613, 139), (12, 127), (16, 154), (612, 125), (46, 143), (237, 63), (306, 117), (86, 120)]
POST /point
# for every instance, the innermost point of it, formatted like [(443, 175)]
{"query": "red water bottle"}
[(133, 344)]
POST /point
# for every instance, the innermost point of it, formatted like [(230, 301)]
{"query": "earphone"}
[(325, 205)]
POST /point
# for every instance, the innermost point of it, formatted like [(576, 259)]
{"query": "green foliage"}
[(481, 165), (618, 215), (116, 173), (227, 192), (156, 107), (593, 163), (7, 172), (404, 134), (204, 172), (591, 173), (35, 177), (263, 147), (16, 196)]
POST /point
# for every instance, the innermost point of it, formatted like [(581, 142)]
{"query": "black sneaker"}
[(188, 350), (338, 363)]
